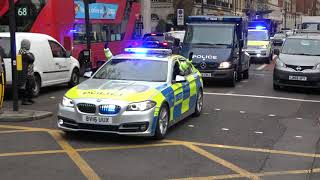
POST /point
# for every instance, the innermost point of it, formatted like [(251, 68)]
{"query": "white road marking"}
[(191, 126), (224, 129), (299, 118), (298, 137), (242, 112), (245, 81), (52, 97), (261, 67), (271, 115), (206, 113), (258, 132), (217, 109), (263, 97)]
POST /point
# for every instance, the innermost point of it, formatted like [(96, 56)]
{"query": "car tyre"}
[(233, 81), (37, 86), (162, 123), (75, 78), (199, 104), (276, 87), (245, 74)]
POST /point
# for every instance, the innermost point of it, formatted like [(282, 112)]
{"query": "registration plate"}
[(298, 78), (206, 74), (97, 119)]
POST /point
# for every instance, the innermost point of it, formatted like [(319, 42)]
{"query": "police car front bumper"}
[(136, 123), (258, 53), (219, 74)]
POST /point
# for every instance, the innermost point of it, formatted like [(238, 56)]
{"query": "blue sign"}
[(96, 10)]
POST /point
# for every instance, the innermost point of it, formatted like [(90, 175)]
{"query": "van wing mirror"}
[(68, 54), (241, 43), (190, 56)]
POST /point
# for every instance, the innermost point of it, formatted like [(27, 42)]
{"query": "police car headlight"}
[(141, 106), (224, 65), (67, 102), (279, 63), (317, 67)]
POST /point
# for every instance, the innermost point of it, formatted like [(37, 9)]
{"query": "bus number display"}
[(22, 11)]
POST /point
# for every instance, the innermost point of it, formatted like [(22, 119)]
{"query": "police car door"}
[(189, 88), (61, 62), (176, 110)]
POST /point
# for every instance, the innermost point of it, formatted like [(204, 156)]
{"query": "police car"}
[(141, 92)]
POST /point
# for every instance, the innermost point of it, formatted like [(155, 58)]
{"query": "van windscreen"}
[(5, 47), (209, 34)]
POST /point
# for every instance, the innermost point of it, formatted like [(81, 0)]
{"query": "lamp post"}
[(12, 27)]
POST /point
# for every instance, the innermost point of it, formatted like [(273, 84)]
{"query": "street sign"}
[(180, 17)]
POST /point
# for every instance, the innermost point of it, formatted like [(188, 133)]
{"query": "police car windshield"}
[(134, 70), (302, 47), (209, 35), (258, 36)]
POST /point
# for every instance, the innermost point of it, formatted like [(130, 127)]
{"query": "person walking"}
[(28, 81)]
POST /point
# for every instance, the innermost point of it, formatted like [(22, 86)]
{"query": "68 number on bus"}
[(22, 11)]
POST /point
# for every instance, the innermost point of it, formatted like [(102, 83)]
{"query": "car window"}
[(302, 47), (175, 71), (5, 49), (134, 70), (57, 50), (154, 38), (258, 36)]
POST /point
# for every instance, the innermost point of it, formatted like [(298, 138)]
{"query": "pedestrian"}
[(28, 81)]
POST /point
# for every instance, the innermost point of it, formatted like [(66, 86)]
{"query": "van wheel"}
[(37, 86), (74, 80), (162, 123), (245, 74), (233, 81)]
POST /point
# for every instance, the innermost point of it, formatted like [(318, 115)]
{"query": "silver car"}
[(298, 63)]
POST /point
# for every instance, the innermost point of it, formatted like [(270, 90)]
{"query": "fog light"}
[(60, 121), (143, 127), (258, 55)]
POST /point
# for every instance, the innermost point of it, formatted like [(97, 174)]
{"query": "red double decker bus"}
[(113, 21)]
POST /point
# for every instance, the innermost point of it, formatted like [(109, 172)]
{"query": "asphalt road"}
[(246, 132)]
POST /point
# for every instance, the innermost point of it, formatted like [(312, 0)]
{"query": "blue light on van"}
[(148, 51), (260, 27), (136, 50)]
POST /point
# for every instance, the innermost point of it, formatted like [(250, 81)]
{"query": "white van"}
[(53, 64)]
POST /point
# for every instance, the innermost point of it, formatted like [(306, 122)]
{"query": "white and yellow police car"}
[(141, 92)]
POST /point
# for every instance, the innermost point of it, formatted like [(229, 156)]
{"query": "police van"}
[(218, 44)]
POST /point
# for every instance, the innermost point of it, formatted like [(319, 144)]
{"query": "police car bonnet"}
[(210, 54)]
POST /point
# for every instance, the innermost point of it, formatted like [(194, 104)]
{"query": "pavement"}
[(246, 132)]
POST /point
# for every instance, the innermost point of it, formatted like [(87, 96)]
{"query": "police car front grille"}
[(302, 67), (87, 108)]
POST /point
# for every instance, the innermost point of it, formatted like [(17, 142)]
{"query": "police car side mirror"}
[(88, 74), (180, 79)]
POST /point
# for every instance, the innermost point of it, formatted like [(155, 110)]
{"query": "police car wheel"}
[(199, 104), (162, 123), (74, 80)]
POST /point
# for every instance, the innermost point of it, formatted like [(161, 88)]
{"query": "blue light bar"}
[(260, 27), (148, 51)]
